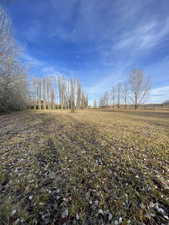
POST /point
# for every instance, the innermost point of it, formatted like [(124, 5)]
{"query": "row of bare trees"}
[(13, 86), (57, 92), (134, 91)]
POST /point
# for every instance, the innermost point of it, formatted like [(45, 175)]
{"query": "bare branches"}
[(105, 99), (125, 93), (13, 87), (139, 87), (58, 92), (134, 91)]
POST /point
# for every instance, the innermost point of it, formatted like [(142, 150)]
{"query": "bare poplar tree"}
[(84, 101), (48, 93), (113, 97), (105, 100), (44, 93), (72, 95), (68, 94), (79, 95), (125, 93), (119, 90), (40, 94), (139, 87), (35, 92), (52, 98), (60, 91)]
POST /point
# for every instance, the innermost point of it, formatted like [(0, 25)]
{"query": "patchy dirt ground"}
[(85, 168)]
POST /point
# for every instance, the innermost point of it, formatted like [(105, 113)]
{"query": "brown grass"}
[(89, 167)]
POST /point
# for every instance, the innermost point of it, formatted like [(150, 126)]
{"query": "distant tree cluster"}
[(134, 91), (57, 92), (13, 86)]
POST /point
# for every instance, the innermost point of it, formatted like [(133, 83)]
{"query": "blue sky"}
[(99, 42)]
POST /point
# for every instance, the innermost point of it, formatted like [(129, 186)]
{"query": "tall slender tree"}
[(125, 93)]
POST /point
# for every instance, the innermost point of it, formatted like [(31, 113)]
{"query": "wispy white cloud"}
[(30, 60), (92, 21), (146, 36), (39, 67)]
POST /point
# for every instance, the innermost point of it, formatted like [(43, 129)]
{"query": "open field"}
[(91, 167)]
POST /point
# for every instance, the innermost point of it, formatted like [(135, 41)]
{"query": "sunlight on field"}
[(88, 167)]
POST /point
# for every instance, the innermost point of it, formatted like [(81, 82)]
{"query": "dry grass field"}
[(90, 167)]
